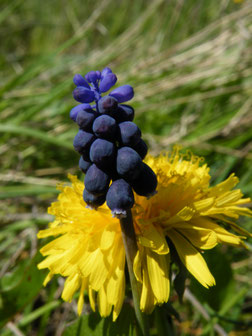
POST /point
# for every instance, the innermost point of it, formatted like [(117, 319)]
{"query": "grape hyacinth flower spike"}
[(110, 144), (112, 151)]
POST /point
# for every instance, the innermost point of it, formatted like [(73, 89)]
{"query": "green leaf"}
[(163, 322), (38, 312), (19, 288), (86, 325), (179, 281), (26, 190), (94, 325), (37, 134)]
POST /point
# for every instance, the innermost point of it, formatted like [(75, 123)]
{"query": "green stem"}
[(130, 245)]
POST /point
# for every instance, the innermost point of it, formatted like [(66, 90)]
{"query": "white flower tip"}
[(119, 213), (91, 207)]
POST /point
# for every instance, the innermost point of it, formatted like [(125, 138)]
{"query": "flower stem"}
[(130, 245)]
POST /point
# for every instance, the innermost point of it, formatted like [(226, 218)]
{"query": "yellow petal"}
[(92, 296), (223, 236), (72, 284), (204, 204), (54, 231), (50, 262), (158, 272), (183, 215), (234, 226), (57, 246), (154, 239), (147, 301), (107, 238), (103, 305), (192, 259), (48, 278), (114, 283), (120, 300), (84, 283), (202, 238), (224, 186), (137, 265), (228, 197), (92, 265)]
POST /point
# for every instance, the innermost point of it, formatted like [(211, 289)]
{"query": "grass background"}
[(190, 65)]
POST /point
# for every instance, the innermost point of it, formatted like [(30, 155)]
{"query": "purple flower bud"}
[(83, 95), (107, 82), (75, 110), (107, 105), (105, 71), (98, 73), (122, 93), (80, 81), (91, 76)]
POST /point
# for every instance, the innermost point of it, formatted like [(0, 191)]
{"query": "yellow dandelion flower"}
[(89, 250)]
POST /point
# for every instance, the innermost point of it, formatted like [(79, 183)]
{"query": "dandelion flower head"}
[(87, 247)]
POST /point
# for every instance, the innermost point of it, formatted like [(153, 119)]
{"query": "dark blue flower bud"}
[(82, 141), (105, 127), (146, 183), (107, 105), (96, 180), (102, 153), (105, 71), (124, 113), (141, 148), (75, 110), (120, 198), (107, 82), (128, 163), (85, 119), (129, 133), (92, 76), (84, 165), (80, 81), (93, 201), (83, 95), (123, 93), (85, 154)]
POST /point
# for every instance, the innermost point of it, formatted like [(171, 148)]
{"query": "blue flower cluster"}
[(110, 143)]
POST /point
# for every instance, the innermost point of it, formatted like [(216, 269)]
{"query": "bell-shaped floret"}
[(107, 82), (75, 110), (92, 76), (83, 95), (82, 141), (84, 165), (120, 198), (98, 74), (102, 153), (93, 201), (108, 105), (85, 119), (141, 148), (129, 133), (128, 163), (96, 180), (123, 93), (105, 72), (105, 127), (146, 183), (124, 113), (80, 81)]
